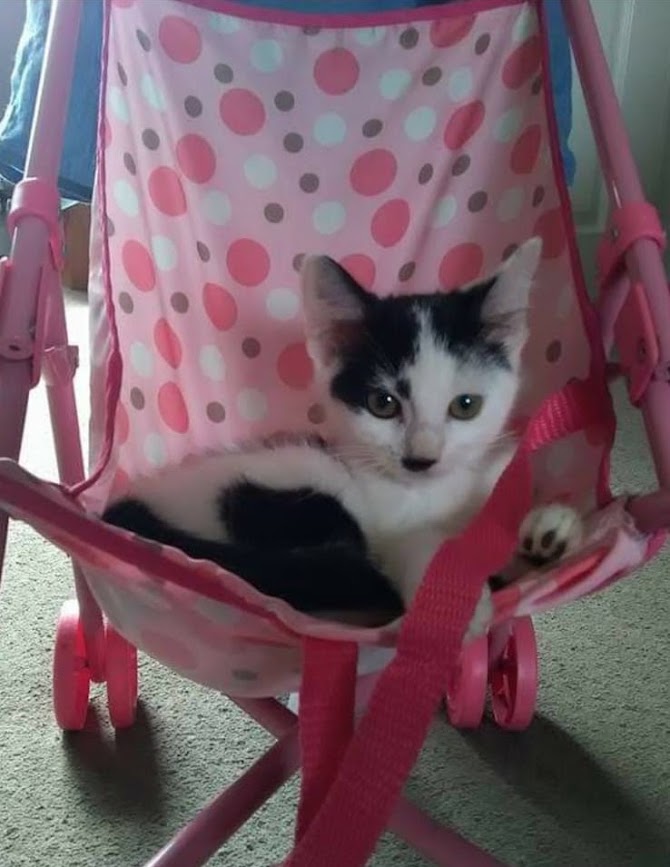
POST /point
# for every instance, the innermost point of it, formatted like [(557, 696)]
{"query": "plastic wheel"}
[(121, 679), (71, 675), (514, 678), (466, 694)]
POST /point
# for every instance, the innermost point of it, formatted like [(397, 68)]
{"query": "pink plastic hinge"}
[(628, 224), (636, 341), (34, 197)]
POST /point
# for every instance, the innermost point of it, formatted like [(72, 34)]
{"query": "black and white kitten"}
[(419, 391)]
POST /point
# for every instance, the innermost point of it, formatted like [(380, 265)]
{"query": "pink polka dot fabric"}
[(417, 153)]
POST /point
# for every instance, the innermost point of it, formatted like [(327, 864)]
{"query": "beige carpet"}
[(588, 784)]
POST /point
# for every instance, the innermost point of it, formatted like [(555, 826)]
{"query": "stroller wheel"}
[(466, 695), (121, 676), (71, 674), (514, 678)]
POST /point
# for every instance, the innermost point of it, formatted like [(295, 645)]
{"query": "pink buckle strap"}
[(628, 224)]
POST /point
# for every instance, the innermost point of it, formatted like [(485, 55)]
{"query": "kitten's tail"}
[(335, 578)]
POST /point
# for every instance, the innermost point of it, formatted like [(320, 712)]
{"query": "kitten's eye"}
[(466, 406), (382, 404)]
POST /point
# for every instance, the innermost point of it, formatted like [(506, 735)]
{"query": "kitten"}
[(419, 391)]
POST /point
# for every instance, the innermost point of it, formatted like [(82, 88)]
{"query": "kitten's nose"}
[(418, 465)]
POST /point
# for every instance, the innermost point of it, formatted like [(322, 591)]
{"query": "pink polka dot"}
[(449, 31), (196, 158), (168, 649), (463, 124), (167, 192), (172, 407), (248, 262), (168, 343), (523, 62), (220, 306), (526, 149), (373, 172), (180, 39), (122, 423), (138, 265), (550, 227), (120, 484), (461, 265), (390, 222), (242, 111), (295, 366), (361, 268), (336, 71)]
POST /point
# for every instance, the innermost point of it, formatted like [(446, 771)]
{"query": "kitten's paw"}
[(549, 533), (482, 616)]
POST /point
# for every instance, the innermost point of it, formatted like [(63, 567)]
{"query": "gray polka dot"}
[(151, 139), (123, 78), (284, 100), (409, 38), (223, 73), (507, 252), (538, 196), (316, 413), (311, 30), (203, 251), (193, 106), (129, 163), (425, 173), (293, 142), (537, 85), (179, 302), (126, 302), (143, 39), (461, 165), (372, 127), (137, 398), (111, 228), (216, 412), (274, 213), (482, 43), (553, 351), (297, 261), (477, 201), (251, 347), (309, 183), (432, 76), (406, 272)]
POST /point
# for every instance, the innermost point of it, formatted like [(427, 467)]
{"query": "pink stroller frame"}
[(230, 176)]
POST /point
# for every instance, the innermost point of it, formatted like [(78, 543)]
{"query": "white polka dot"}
[(460, 84), (330, 129), (126, 197), (141, 359), (152, 93), (394, 83), (155, 450), (118, 104), (260, 171), (525, 25), (223, 23), (282, 304), (508, 125), (510, 204), (329, 217), (369, 35), (420, 123), (252, 404), (216, 207), (212, 363), (445, 211), (165, 252), (267, 55)]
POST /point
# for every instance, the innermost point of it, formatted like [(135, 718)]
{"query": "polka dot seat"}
[(417, 151)]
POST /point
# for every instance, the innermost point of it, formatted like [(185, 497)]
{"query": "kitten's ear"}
[(334, 307), (505, 305)]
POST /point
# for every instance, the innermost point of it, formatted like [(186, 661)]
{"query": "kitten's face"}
[(419, 384)]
